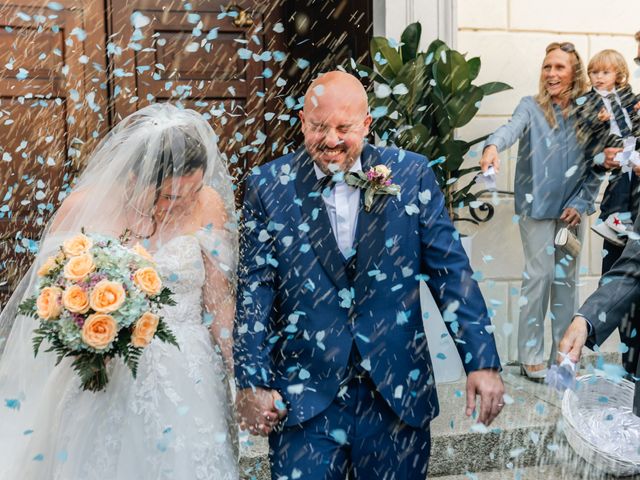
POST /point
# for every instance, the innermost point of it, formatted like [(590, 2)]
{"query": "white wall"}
[(510, 37)]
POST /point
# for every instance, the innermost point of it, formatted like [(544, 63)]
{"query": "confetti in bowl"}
[(600, 425)]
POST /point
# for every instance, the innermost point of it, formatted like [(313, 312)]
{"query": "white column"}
[(437, 17)]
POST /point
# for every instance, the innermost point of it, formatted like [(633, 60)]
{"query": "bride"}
[(159, 176)]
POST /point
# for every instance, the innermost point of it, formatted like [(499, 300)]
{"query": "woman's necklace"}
[(130, 231)]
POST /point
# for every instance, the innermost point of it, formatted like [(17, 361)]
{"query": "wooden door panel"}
[(52, 106), (215, 69)]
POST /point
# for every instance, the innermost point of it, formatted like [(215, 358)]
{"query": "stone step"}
[(523, 437)]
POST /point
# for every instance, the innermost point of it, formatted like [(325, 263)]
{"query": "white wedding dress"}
[(173, 422)]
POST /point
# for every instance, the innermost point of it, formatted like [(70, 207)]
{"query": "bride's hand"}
[(257, 411)]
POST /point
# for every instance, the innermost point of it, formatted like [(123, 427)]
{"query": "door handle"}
[(243, 18)]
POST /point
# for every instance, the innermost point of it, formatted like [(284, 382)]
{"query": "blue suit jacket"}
[(299, 310)]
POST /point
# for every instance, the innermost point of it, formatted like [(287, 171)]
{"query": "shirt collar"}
[(604, 93), (356, 167)]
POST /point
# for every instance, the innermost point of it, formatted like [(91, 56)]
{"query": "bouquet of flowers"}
[(95, 300)]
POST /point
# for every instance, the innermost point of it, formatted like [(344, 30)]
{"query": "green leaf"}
[(414, 139), (131, 357), (28, 307), (92, 371), (455, 150), (411, 40), (466, 171), (413, 75), (386, 59), (164, 297), (451, 73), (463, 107), (433, 51), (495, 87), (165, 334), (474, 67)]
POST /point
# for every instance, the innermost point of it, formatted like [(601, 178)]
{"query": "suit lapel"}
[(316, 219), (370, 231)]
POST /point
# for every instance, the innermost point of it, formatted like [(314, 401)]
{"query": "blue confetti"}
[(379, 111), (302, 63), (79, 33), (244, 53), (12, 403), (339, 436)]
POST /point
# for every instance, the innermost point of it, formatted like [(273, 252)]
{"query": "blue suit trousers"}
[(357, 437)]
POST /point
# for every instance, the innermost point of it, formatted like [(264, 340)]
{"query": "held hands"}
[(573, 340), (488, 384), (570, 216), (258, 410), (490, 157)]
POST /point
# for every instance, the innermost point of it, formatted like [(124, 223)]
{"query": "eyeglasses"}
[(564, 46)]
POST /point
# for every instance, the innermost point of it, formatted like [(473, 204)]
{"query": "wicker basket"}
[(589, 391)]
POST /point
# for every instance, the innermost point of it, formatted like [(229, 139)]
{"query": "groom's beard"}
[(334, 159)]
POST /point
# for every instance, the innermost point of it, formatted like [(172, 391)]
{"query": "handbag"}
[(568, 242)]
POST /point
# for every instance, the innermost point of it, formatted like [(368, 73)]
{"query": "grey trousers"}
[(549, 278)]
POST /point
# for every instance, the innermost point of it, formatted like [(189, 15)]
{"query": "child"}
[(607, 117)]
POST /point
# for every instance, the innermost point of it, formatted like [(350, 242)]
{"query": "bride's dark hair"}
[(179, 154)]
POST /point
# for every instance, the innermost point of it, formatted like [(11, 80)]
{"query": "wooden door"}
[(52, 110), (219, 59)]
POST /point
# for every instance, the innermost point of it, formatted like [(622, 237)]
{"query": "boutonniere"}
[(377, 181)]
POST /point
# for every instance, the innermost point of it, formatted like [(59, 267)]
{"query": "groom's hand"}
[(488, 384), (258, 411)]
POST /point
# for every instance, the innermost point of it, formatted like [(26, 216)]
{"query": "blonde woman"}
[(554, 188)]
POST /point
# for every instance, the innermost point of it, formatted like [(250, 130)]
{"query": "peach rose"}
[(148, 280), (48, 303), (144, 330), (75, 299), (99, 330), (107, 296), (77, 245), (49, 264), (140, 250), (77, 268)]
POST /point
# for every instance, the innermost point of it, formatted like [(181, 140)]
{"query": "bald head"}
[(335, 120), (336, 85)]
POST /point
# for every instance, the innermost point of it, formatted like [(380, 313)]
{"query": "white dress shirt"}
[(613, 124), (614, 128), (343, 204)]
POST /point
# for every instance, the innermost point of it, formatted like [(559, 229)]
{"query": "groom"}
[(329, 328)]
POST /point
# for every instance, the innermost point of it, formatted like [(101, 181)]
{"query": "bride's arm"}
[(218, 290)]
